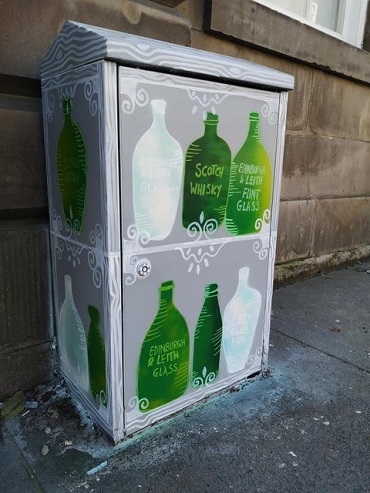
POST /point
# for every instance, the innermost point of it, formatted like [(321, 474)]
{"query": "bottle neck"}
[(68, 286), (243, 278), (254, 129), (210, 128), (158, 112), (166, 292), (94, 315), (158, 119), (211, 291)]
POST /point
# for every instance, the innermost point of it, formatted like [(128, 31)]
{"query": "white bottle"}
[(157, 173), (239, 323), (72, 340)]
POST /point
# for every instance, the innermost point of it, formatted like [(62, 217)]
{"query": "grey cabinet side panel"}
[(111, 204), (280, 141), (80, 112)]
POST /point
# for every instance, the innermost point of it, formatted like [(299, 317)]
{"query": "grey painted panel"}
[(141, 304), (79, 44), (187, 101)]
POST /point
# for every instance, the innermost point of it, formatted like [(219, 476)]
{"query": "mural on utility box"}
[(239, 323), (157, 173), (72, 340), (96, 358), (71, 168), (250, 189), (206, 179), (163, 370), (215, 187), (207, 339), (163, 367)]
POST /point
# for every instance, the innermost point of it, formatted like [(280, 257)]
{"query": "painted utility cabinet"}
[(164, 167)]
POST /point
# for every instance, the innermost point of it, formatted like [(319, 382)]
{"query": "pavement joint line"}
[(361, 368), (26, 466)]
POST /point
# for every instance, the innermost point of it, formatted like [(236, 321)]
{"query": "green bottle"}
[(71, 167), (163, 370), (96, 358), (206, 180), (207, 339), (250, 184)]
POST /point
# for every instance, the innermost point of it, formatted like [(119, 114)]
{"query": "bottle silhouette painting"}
[(206, 178), (157, 174), (240, 322), (96, 358), (73, 349), (71, 168), (207, 339), (163, 370), (250, 184)]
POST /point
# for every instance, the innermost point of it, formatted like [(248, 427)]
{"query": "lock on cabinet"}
[(164, 169)]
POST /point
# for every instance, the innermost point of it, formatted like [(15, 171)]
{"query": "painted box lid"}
[(78, 44)]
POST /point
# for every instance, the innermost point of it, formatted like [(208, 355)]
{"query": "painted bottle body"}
[(157, 174), (96, 358), (250, 189), (240, 322), (207, 339), (163, 370), (206, 178), (73, 349), (71, 168)]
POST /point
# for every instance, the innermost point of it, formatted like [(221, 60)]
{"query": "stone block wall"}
[(324, 215), (26, 33), (325, 207)]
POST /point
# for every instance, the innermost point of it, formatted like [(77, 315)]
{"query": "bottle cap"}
[(254, 116), (159, 105), (211, 289), (244, 272), (66, 106), (211, 118), (167, 285)]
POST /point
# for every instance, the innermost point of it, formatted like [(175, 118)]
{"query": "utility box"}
[(164, 167)]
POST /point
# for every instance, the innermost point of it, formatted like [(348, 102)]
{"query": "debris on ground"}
[(98, 468), (14, 405), (44, 450)]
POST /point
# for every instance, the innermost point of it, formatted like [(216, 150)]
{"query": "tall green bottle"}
[(163, 370), (207, 339), (71, 167), (96, 358), (250, 184), (206, 179)]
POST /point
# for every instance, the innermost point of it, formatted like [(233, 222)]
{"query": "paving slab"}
[(15, 474), (330, 312)]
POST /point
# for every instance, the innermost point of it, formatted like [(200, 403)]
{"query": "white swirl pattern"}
[(80, 44)]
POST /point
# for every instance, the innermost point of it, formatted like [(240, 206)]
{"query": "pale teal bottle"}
[(157, 173), (72, 340), (239, 323)]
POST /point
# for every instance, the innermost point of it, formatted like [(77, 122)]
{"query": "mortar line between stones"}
[(361, 368), (26, 466)]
